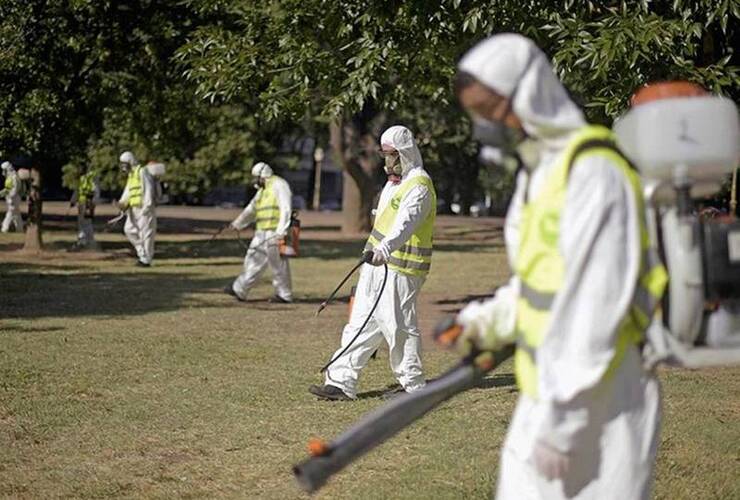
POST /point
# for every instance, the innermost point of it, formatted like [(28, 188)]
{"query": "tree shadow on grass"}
[(35, 291)]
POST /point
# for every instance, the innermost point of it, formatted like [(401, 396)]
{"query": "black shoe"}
[(229, 290), (142, 264), (329, 393), (277, 299)]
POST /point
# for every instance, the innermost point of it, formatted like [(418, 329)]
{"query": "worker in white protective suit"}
[(585, 285), (85, 197), (270, 209), (12, 193), (401, 238), (139, 201)]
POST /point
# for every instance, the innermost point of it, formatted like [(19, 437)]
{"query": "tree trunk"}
[(353, 151), (33, 242)]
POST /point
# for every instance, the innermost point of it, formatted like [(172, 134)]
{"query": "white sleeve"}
[(600, 245), (413, 209), (496, 316), (125, 196), (282, 192), (247, 215)]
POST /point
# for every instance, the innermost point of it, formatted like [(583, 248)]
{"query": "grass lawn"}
[(122, 382)]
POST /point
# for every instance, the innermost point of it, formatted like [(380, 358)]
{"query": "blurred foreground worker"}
[(139, 201), (270, 209), (85, 197), (401, 238), (585, 286), (12, 192)]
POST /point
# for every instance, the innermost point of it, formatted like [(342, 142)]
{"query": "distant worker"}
[(401, 238), (85, 197), (270, 209), (585, 287), (139, 201), (12, 190)]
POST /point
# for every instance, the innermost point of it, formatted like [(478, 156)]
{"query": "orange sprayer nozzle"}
[(318, 447), (447, 332)]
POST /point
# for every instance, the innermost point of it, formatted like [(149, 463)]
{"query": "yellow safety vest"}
[(134, 186), (541, 268), (9, 182), (415, 257), (86, 187), (268, 210)]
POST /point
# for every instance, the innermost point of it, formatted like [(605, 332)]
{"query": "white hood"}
[(402, 140), (511, 63)]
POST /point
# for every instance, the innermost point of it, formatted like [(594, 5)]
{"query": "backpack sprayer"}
[(385, 422), (685, 143)]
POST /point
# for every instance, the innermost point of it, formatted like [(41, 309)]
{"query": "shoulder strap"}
[(591, 144)]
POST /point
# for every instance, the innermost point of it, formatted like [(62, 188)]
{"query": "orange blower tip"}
[(317, 447)]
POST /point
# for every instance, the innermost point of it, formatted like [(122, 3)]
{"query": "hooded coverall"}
[(86, 196), (580, 409), (13, 201), (140, 198), (274, 199), (395, 317)]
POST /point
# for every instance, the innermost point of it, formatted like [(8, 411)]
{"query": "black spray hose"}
[(366, 258)]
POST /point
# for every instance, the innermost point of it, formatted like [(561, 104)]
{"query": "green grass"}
[(118, 382)]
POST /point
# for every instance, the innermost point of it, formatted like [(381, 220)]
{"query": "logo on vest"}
[(395, 202), (549, 228)]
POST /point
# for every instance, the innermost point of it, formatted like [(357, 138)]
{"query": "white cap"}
[(127, 157), (261, 170)]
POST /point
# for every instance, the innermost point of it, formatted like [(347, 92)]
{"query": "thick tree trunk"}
[(34, 242), (352, 151)]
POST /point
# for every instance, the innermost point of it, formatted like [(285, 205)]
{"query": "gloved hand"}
[(233, 226), (550, 463), (379, 257), (489, 325), (3, 193)]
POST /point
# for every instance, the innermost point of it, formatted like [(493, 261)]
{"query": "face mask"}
[(496, 135), (393, 165), (259, 183)]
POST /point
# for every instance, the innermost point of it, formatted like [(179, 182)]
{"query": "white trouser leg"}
[(13, 215), (280, 271), (6, 221), (255, 262), (147, 222), (396, 315), (131, 230), (345, 371)]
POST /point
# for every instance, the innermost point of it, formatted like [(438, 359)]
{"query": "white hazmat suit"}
[(12, 191), (587, 436), (141, 221), (395, 317), (264, 247)]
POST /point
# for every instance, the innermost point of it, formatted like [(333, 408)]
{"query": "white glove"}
[(233, 226), (488, 325), (379, 257), (549, 462)]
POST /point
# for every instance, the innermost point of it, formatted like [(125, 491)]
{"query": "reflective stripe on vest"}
[(9, 182), (134, 186), (541, 269), (267, 209), (86, 187), (415, 256)]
